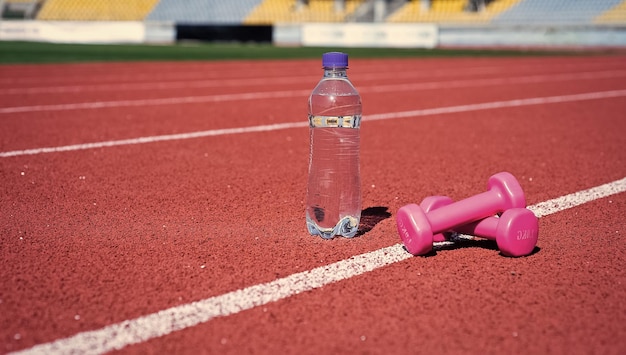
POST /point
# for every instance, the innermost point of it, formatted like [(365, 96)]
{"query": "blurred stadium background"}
[(357, 23)]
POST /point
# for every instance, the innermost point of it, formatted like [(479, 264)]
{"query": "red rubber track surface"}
[(92, 237)]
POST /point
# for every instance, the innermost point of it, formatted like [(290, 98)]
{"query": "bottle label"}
[(335, 121)]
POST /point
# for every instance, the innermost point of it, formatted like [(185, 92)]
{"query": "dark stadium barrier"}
[(224, 33)]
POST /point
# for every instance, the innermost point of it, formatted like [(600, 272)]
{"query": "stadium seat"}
[(555, 11), (203, 11), (449, 11), (276, 11), (613, 16), (90, 10)]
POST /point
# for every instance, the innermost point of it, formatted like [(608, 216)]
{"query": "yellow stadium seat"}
[(449, 11), (101, 10), (614, 16), (277, 11)]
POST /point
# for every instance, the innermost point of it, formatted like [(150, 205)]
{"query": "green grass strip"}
[(35, 52)]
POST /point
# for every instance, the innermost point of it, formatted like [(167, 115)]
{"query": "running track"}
[(158, 208)]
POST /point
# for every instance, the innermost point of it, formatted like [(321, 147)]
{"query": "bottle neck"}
[(335, 72)]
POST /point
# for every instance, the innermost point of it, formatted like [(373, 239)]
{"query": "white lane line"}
[(234, 82), (500, 104), (275, 127), (156, 102), (295, 93), (530, 79), (572, 200), (138, 330), (153, 139), (93, 80)]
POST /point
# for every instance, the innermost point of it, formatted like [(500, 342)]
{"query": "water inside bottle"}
[(334, 185)]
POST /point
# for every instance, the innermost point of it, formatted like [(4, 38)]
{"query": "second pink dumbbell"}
[(417, 228)]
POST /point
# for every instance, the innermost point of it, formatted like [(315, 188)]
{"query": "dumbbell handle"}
[(484, 228), (465, 211)]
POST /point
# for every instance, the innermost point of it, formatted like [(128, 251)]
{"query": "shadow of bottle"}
[(370, 217)]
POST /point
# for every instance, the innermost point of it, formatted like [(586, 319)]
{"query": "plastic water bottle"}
[(333, 204)]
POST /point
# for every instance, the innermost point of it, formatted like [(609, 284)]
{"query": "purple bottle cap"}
[(334, 59)]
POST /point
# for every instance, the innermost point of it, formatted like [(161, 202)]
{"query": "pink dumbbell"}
[(515, 232), (417, 228)]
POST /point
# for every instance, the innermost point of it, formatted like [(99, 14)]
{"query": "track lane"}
[(153, 118), (227, 83), (106, 73), (151, 82), (211, 91)]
